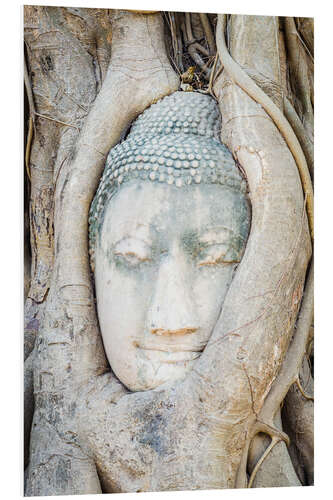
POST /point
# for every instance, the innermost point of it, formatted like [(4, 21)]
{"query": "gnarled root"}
[(28, 404), (301, 133), (245, 143), (71, 347), (288, 376), (256, 451), (297, 415), (300, 61), (249, 86), (268, 461)]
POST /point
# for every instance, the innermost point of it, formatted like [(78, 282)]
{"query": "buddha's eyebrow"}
[(218, 235), (141, 232)]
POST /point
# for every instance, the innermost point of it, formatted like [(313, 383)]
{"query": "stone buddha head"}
[(168, 226)]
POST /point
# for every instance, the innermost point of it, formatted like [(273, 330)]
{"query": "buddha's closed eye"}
[(214, 254), (132, 251), (218, 246)]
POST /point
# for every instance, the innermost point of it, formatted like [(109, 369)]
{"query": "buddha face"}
[(164, 260)]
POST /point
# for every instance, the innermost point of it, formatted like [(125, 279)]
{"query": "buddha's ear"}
[(252, 335)]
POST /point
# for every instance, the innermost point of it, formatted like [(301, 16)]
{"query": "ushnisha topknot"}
[(175, 141)]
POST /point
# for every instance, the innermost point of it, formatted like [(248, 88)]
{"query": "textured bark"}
[(68, 346), (28, 405), (305, 26), (274, 183), (301, 74), (63, 75), (298, 419), (301, 133), (88, 433)]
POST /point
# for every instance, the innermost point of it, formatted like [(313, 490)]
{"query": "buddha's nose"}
[(172, 312)]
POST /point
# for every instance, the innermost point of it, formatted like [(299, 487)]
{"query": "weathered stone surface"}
[(175, 141), (163, 266), (165, 256)]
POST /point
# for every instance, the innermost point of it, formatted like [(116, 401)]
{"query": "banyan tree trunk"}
[(90, 73)]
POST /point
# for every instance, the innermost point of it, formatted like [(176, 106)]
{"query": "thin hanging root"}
[(275, 440), (208, 32), (239, 76), (175, 59), (305, 29), (301, 390), (29, 90), (174, 39), (300, 69), (28, 146), (57, 121), (276, 436), (193, 46), (212, 74), (31, 119), (259, 427), (201, 49), (299, 129), (179, 43)]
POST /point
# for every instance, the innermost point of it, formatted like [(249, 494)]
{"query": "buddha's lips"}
[(186, 357), (182, 331), (170, 357), (169, 348), (169, 354)]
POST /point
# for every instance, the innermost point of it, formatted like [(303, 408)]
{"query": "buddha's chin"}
[(151, 375)]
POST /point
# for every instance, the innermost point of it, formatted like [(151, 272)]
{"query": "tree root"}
[(208, 32), (297, 415), (270, 465), (289, 373), (57, 121), (294, 357), (213, 76), (305, 29), (31, 119), (176, 42), (194, 46), (299, 129), (28, 146), (299, 61), (235, 140), (301, 390), (239, 76), (274, 441), (28, 404), (276, 436)]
